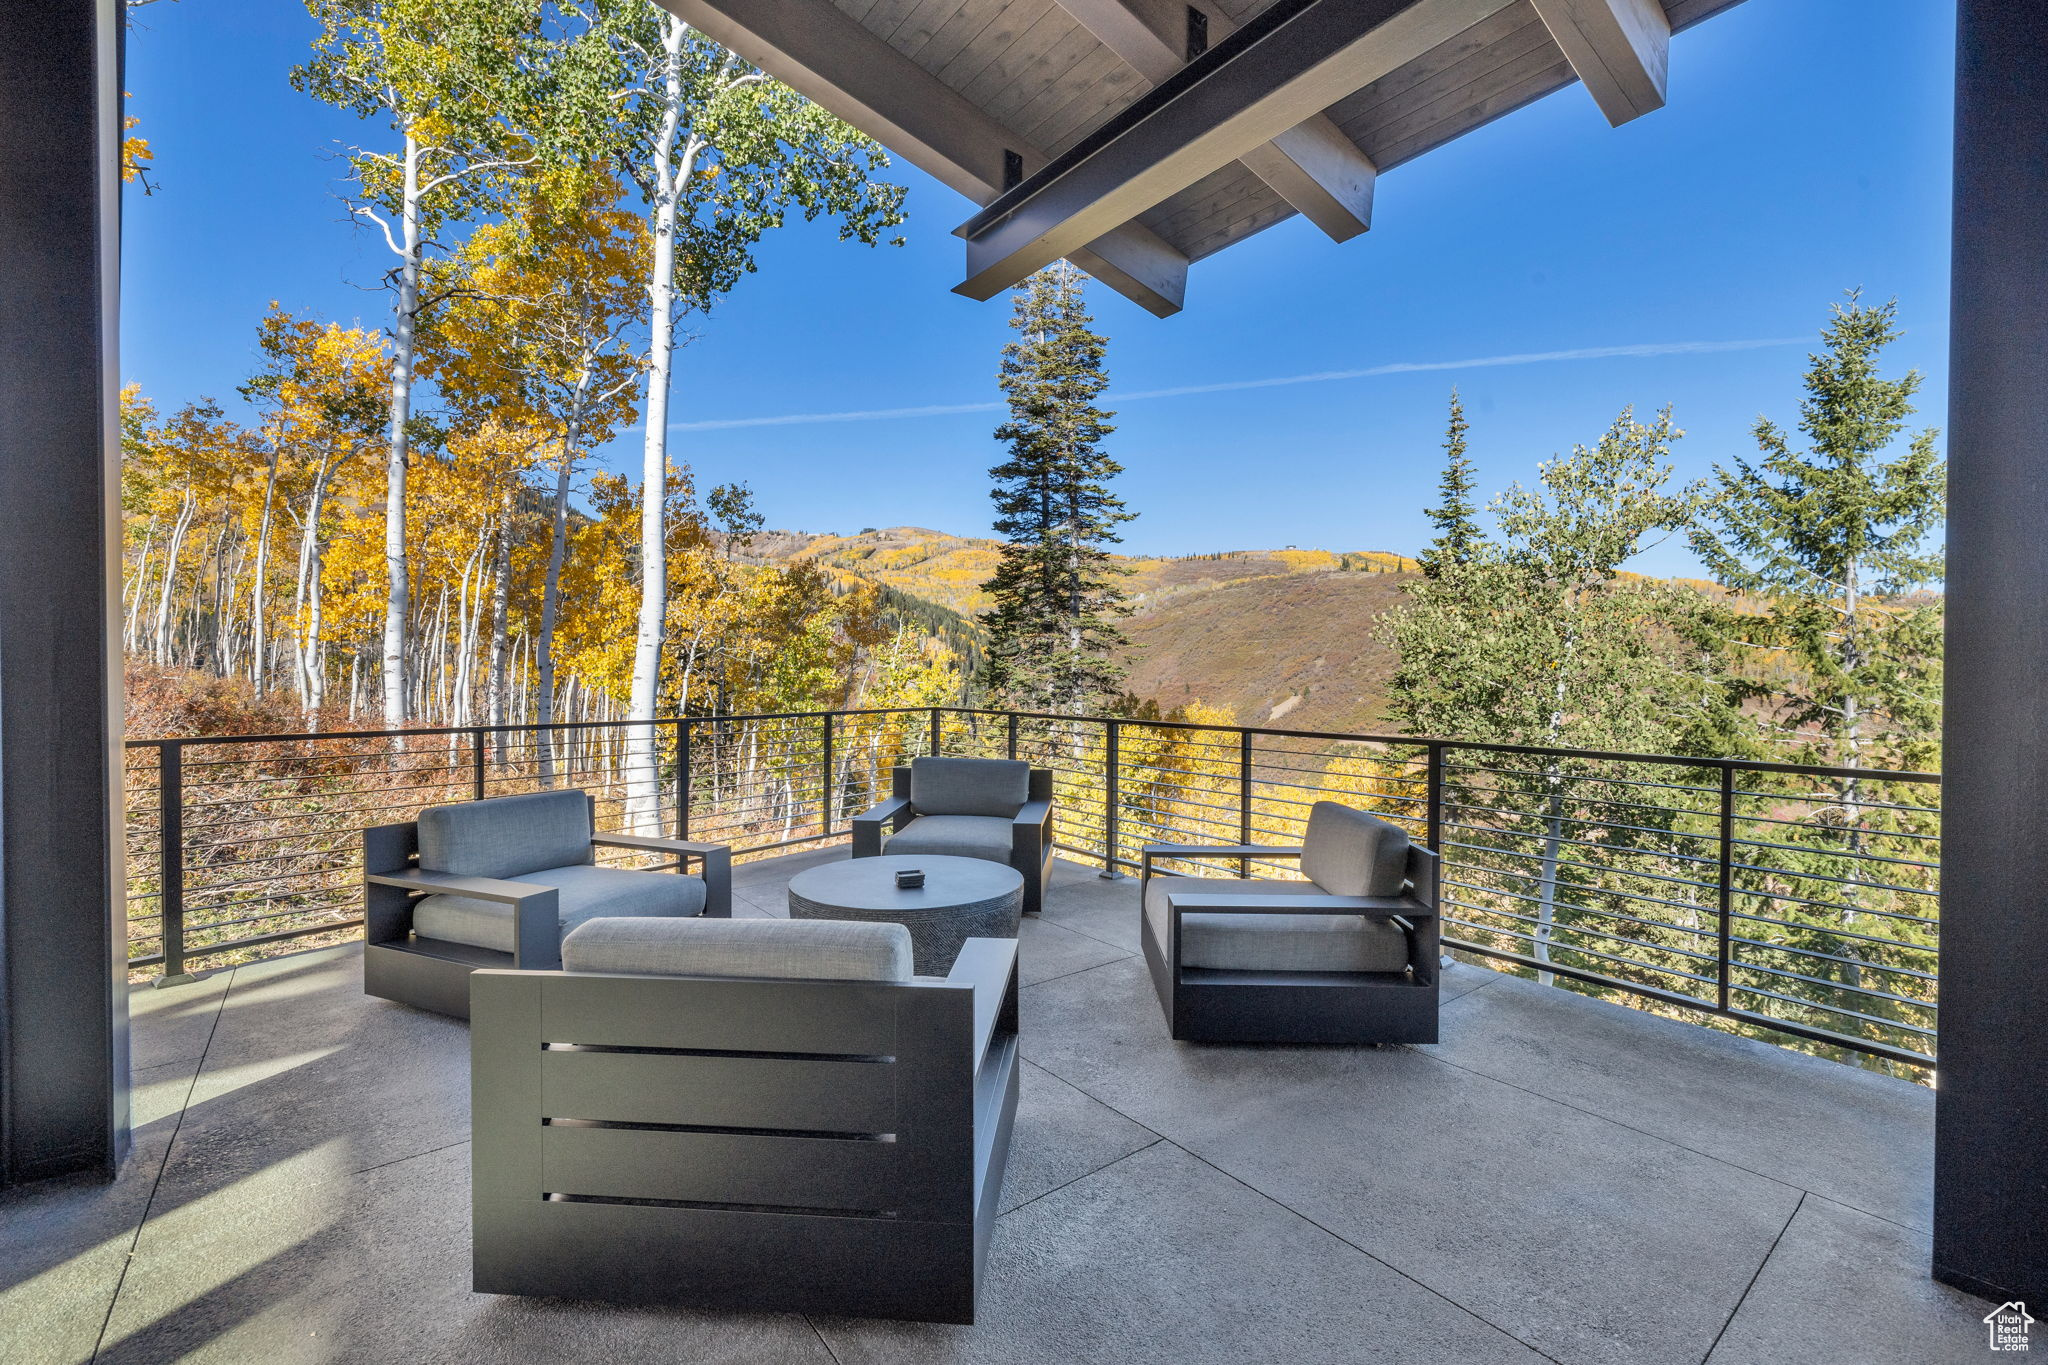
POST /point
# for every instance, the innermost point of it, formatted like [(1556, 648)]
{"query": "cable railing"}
[(1776, 897)]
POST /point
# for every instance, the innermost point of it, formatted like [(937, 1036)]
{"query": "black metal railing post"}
[(825, 791), (934, 746), (682, 777), (1723, 935), (170, 815), (1433, 799), (1244, 797), (477, 738), (1013, 735), (1110, 786)]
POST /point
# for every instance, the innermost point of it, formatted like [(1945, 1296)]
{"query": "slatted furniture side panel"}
[(776, 1144), (844, 1176), (788, 1093)]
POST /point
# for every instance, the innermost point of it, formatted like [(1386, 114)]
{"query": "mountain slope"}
[(950, 569), (1301, 652), (1283, 637)]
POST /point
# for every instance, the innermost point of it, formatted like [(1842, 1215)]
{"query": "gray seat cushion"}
[(1350, 853), (585, 892), (969, 786), (959, 836), (506, 836), (1275, 943), (802, 950)]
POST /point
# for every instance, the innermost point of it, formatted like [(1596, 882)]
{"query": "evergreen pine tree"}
[(1832, 539), (1052, 632), (1458, 534)]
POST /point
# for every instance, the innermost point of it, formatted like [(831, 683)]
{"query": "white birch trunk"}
[(161, 641), (397, 447), (258, 669), (501, 601), (550, 610), (667, 174)]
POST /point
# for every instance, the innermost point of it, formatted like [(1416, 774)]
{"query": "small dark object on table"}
[(910, 878)]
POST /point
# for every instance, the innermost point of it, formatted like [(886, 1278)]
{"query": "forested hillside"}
[(954, 570), (1272, 636)]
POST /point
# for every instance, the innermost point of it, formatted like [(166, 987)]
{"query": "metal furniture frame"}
[(433, 974), (1031, 840), (744, 1144), (1212, 1005)]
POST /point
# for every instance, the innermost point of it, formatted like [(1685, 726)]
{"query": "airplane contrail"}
[(1652, 348)]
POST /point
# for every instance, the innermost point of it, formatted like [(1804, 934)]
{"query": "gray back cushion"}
[(801, 950), (1350, 853), (969, 786), (506, 836)]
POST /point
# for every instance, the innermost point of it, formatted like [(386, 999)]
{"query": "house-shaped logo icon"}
[(2008, 1325)]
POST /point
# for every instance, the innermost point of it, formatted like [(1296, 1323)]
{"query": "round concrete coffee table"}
[(961, 898)]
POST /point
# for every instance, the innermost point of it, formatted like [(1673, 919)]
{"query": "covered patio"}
[(263, 1163), (1560, 1179)]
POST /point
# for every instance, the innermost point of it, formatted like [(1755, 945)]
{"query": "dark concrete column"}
[(1991, 1129), (63, 993)]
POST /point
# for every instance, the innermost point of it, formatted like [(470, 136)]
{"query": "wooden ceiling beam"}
[(1619, 48), (1313, 166), (821, 53), (1283, 67)]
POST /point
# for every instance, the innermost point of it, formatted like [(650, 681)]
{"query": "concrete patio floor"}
[(1560, 1179)]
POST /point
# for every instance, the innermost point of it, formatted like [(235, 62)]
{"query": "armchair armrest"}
[(990, 966), (1397, 908), (1034, 814), (867, 826), (536, 910), (716, 858), (451, 884), (1196, 851), (1221, 851), (655, 844), (1031, 841)]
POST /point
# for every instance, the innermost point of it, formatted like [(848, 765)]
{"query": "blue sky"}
[(1805, 150)]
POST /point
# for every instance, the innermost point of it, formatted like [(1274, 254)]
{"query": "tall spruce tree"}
[(1458, 536), (1052, 632), (1833, 539)]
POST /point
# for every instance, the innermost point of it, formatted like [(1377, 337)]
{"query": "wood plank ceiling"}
[(1040, 73)]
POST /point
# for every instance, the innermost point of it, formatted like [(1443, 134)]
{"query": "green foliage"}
[(1845, 671), (1052, 631), (1458, 535), (462, 81), (932, 620), (734, 151), (1831, 538), (1540, 638), (1814, 652)]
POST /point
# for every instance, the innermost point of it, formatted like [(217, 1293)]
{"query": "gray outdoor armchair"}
[(757, 1115), (497, 883), (991, 808), (1348, 956)]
